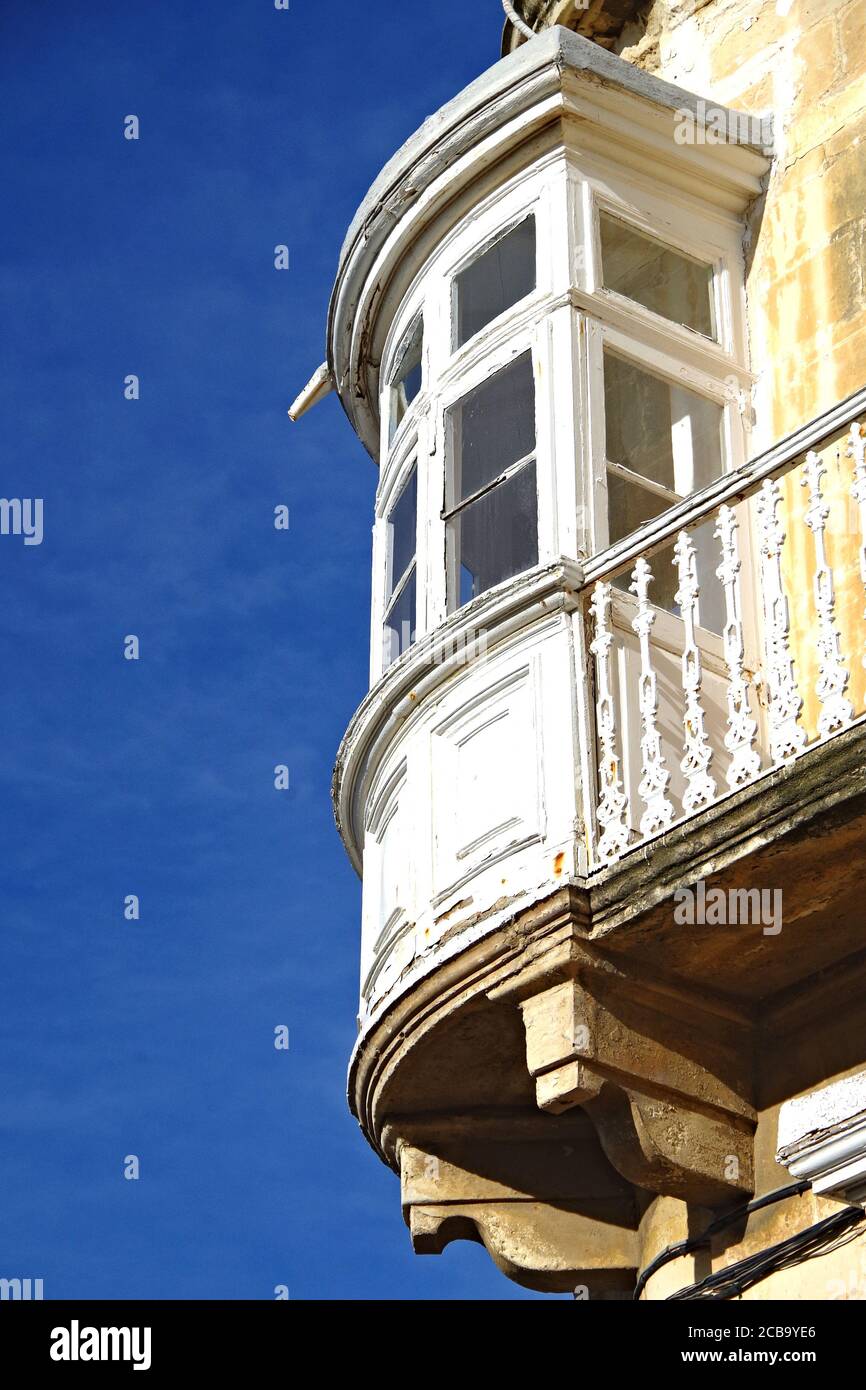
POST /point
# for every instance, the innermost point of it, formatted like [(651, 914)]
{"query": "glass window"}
[(491, 428), (663, 441), (495, 280), (401, 590), (402, 527), (406, 382), (491, 500), (666, 281), (399, 633), (665, 433), (497, 536)]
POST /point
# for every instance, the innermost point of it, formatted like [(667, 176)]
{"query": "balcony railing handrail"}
[(731, 487), (626, 731)]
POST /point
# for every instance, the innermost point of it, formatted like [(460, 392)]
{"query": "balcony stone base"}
[(548, 1088)]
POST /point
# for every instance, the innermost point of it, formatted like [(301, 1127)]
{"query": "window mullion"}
[(398, 588), (640, 480), (488, 487)]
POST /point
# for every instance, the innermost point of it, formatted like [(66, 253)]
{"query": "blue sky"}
[(155, 257)]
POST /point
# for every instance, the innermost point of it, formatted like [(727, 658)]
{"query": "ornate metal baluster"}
[(833, 676), (659, 811), (701, 788), (612, 801), (857, 451), (742, 728), (787, 737)]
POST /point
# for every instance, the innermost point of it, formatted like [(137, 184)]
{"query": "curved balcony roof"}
[(513, 100)]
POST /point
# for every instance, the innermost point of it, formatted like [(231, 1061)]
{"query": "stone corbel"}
[(665, 1078), (552, 1214)]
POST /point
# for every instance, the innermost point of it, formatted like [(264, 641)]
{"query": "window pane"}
[(402, 528), (496, 536), (662, 431), (496, 280), (399, 631), (406, 382), (629, 506), (663, 280), (491, 428)]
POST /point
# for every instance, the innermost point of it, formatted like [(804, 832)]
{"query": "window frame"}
[(713, 369), (495, 361), (712, 262), (655, 362), (565, 324), (396, 348), (695, 235), (540, 192), (409, 453), (394, 591), (630, 475), (527, 195), (519, 328), (408, 446), (475, 254)]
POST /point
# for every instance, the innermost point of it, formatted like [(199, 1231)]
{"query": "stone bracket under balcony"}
[(664, 1077), (687, 1028), (540, 1197)]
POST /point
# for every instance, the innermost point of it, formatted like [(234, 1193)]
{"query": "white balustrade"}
[(833, 676), (857, 451), (659, 811), (787, 736), (700, 786), (758, 650), (742, 729), (612, 800)]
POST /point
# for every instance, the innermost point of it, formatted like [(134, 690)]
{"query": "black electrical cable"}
[(805, 1245), (685, 1247)]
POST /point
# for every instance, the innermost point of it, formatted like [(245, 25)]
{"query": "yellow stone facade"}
[(804, 62)]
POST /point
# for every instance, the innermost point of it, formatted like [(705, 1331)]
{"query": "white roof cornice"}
[(622, 111)]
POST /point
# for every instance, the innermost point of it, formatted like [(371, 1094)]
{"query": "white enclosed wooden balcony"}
[(602, 607), (617, 640)]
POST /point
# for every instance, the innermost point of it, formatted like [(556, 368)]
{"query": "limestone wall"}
[(804, 61)]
